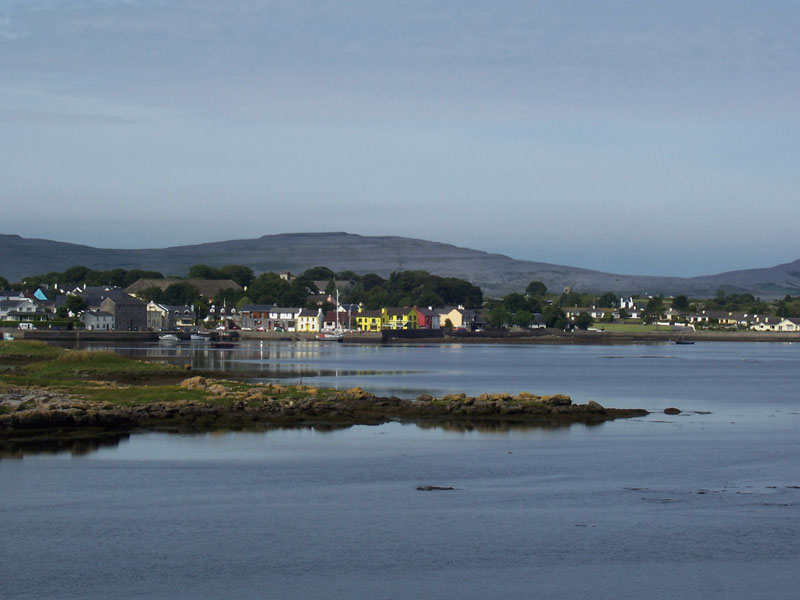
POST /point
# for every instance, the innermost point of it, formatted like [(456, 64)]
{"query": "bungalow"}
[(788, 324), (767, 324)]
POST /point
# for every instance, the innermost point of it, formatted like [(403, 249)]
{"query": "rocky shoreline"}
[(38, 412)]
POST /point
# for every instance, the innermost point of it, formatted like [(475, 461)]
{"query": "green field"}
[(630, 327)]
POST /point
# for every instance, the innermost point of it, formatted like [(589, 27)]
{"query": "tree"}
[(569, 299), (180, 294), (75, 304), (319, 273), (515, 302), (3, 283), (536, 288), (680, 302), (239, 273), (200, 309), (499, 316), (204, 272), (448, 324), (608, 300), (553, 316), (654, 309), (583, 321)]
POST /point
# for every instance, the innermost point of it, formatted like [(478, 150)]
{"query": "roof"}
[(119, 297), (207, 288), (308, 313), (369, 313), (256, 307)]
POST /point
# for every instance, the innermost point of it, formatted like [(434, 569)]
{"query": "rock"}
[(194, 383), (424, 398), (557, 400), (434, 488), (596, 406), (672, 411), (216, 389)]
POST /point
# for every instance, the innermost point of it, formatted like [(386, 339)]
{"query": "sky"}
[(630, 136)]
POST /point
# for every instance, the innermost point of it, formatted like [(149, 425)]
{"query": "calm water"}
[(703, 504)]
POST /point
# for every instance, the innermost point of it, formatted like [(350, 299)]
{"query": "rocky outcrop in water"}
[(228, 404)]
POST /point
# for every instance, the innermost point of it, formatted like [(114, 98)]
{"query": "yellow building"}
[(369, 320), (400, 318)]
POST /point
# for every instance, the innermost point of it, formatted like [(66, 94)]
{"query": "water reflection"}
[(89, 444), (76, 446)]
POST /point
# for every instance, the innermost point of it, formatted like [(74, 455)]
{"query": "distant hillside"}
[(495, 273)]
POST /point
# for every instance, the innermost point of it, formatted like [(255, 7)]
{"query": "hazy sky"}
[(629, 136)]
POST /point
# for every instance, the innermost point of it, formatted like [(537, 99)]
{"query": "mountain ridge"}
[(497, 274)]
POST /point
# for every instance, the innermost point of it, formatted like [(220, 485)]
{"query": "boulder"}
[(672, 411), (194, 383)]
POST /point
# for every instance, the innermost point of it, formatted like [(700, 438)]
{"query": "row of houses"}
[(261, 317), (671, 316)]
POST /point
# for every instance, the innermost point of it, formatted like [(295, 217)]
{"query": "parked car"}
[(27, 326)]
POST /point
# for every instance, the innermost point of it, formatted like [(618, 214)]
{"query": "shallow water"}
[(692, 505)]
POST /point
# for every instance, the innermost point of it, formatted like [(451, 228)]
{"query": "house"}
[(255, 316), (788, 324), (427, 318), (167, 317), (335, 320), (769, 324), (310, 321), (97, 320), (23, 309), (460, 318), (400, 318), (129, 313), (538, 322), (672, 315), (369, 320), (282, 319)]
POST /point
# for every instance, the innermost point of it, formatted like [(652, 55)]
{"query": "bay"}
[(701, 504)]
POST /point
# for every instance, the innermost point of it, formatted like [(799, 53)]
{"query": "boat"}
[(336, 335), (168, 337), (8, 337), (222, 344), (682, 342), (198, 337), (330, 336)]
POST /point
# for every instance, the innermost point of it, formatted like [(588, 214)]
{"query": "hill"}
[(495, 273)]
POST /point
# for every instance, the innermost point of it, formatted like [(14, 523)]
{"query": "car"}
[(260, 328), (27, 326)]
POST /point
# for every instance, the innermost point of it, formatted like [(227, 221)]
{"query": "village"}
[(328, 308)]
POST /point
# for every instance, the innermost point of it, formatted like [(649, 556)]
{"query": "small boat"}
[(330, 337), (8, 337), (198, 337), (168, 337), (222, 344), (684, 342)]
